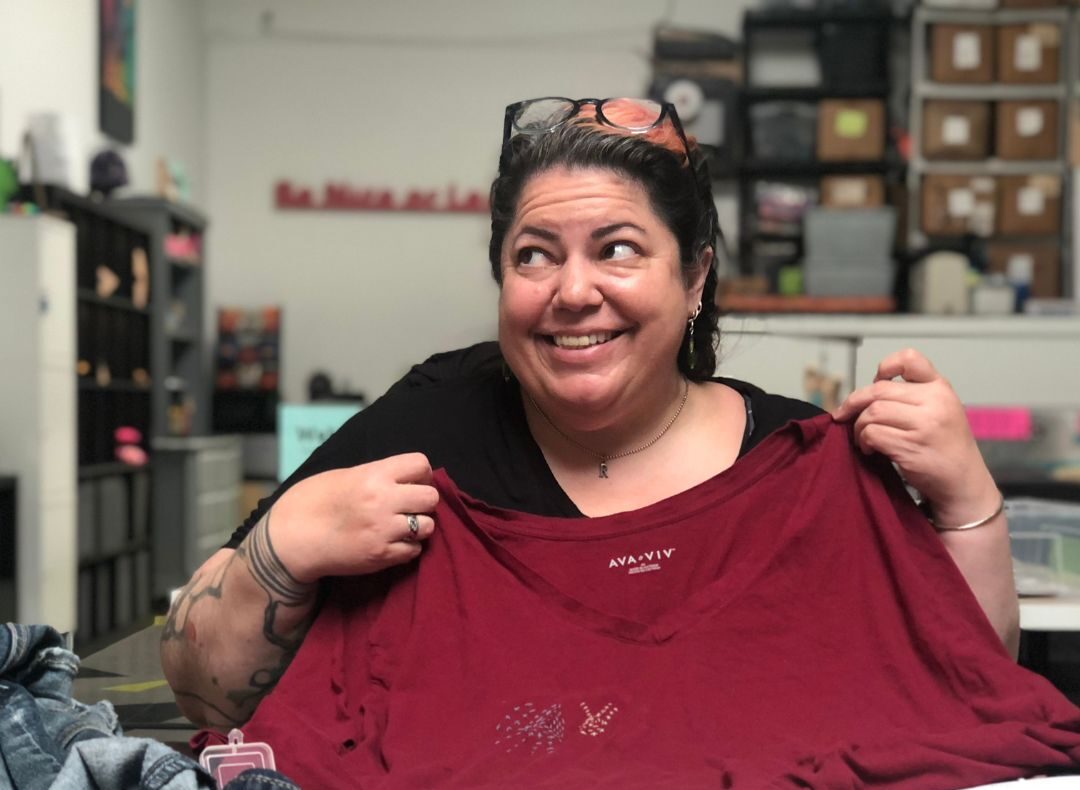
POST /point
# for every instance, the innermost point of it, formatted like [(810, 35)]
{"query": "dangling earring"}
[(691, 356)]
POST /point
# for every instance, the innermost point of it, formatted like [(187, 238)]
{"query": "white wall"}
[(403, 94), (49, 62)]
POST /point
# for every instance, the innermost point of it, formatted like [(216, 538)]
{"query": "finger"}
[(909, 364), (400, 552), (407, 468), (425, 526), (414, 498), (861, 398), (875, 438), (891, 413)]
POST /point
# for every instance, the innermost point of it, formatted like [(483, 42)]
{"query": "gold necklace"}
[(605, 457)]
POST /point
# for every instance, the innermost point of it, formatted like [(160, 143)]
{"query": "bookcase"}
[(179, 403), (786, 170), (989, 132), (108, 366)]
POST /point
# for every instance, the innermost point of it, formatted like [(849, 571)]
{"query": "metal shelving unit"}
[(923, 89), (754, 169)]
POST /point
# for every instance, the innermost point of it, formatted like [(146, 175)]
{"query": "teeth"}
[(582, 341)]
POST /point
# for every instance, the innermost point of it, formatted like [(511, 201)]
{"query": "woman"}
[(603, 243)]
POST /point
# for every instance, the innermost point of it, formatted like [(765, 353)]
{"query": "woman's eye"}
[(619, 251), (531, 256)]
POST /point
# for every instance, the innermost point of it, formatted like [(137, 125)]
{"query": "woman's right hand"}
[(354, 521)]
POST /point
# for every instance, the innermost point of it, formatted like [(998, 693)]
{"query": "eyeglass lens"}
[(543, 115)]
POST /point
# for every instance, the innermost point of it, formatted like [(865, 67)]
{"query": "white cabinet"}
[(1015, 360), (38, 411)]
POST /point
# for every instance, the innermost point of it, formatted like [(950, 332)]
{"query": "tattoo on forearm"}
[(269, 571), (282, 590)]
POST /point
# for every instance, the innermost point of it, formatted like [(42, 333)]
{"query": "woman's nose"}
[(578, 286)]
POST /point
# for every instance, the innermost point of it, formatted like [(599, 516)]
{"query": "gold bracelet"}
[(981, 522)]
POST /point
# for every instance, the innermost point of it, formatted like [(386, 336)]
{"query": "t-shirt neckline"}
[(488, 523)]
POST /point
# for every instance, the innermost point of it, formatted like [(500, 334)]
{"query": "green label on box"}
[(304, 426), (851, 124)]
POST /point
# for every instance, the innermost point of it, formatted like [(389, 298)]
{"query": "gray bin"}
[(848, 278), (865, 234)]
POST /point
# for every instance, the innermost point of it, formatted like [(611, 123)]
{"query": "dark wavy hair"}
[(680, 196)]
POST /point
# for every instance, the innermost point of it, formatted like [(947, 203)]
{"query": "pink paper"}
[(1000, 424)]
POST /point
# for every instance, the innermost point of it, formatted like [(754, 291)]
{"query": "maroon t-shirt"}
[(792, 622)]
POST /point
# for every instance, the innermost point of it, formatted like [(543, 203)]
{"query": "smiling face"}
[(594, 304)]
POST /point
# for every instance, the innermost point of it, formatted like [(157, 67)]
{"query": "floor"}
[(128, 674)]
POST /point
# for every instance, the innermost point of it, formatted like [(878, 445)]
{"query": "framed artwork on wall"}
[(116, 71)]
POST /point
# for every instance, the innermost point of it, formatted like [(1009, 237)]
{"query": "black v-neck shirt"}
[(462, 412)]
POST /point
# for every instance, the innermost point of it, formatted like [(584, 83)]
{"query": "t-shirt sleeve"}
[(359, 440)]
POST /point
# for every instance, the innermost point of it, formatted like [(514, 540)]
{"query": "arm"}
[(919, 424), (233, 630)]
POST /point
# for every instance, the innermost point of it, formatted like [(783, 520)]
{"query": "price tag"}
[(961, 203), (1030, 201), (228, 761), (1027, 53), (1029, 122), (966, 51), (956, 130)]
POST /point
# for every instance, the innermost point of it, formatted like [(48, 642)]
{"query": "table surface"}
[(1051, 613)]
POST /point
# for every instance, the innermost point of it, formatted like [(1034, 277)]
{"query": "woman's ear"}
[(696, 282)]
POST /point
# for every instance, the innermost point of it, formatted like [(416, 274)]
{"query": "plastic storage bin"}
[(783, 130), (1047, 534)]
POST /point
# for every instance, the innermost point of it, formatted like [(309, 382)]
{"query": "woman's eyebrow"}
[(599, 233), (535, 231)]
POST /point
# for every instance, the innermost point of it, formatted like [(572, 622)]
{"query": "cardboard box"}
[(956, 129), (1027, 130), (1028, 53), (955, 205), (1030, 204), (851, 130), (1074, 133), (962, 53), (1045, 260), (852, 191)]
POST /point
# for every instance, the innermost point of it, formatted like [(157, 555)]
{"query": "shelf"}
[(90, 471), (90, 297), (774, 303), (182, 265), (184, 213), (764, 93), (113, 386), (182, 336), (809, 168), (990, 167), (995, 16), (989, 91), (131, 548), (795, 17)]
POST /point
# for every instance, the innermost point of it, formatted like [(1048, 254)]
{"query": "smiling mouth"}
[(581, 341)]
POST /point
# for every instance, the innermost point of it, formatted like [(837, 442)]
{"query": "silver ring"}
[(414, 525)]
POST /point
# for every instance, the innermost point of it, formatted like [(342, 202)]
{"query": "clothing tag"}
[(1027, 53), (1030, 201), (956, 130), (228, 761), (961, 202), (966, 53), (1029, 121)]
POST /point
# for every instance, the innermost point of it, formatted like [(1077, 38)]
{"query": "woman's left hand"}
[(919, 423)]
